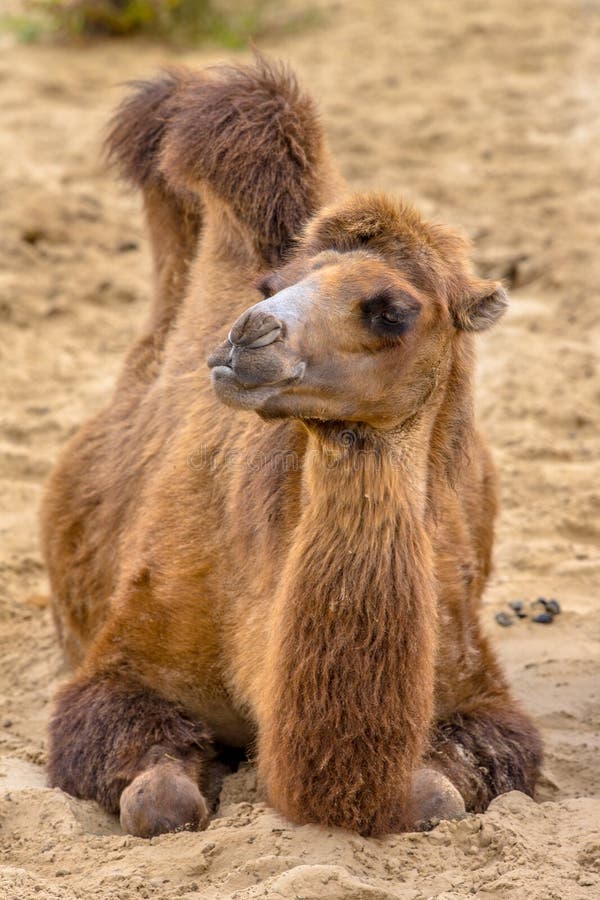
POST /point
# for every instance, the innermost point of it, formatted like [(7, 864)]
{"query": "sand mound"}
[(250, 852)]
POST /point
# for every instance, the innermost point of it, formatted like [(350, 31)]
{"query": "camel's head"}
[(360, 325)]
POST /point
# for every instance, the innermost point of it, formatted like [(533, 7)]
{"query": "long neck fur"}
[(348, 706)]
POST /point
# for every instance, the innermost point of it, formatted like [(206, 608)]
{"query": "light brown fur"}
[(306, 588)]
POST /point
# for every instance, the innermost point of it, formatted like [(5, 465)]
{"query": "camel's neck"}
[(355, 470), (352, 655)]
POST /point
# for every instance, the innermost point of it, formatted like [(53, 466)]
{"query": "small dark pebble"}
[(504, 619), (551, 606), (6, 723), (544, 618), (517, 607)]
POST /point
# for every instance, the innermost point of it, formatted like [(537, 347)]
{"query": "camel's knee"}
[(435, 798), (161, 799), (488, 752), (115, 741)]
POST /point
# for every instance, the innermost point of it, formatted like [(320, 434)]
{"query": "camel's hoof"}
[(435, 798), (162, 799)]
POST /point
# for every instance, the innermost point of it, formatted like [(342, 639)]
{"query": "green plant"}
[(27, 29), (231, 24)]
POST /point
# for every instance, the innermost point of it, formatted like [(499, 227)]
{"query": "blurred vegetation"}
[(231, 23), (26, 29)]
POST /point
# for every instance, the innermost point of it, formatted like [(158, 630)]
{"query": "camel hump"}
[(137, 129), (247, 133)]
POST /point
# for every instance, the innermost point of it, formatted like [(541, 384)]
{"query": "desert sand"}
[(487, 116)]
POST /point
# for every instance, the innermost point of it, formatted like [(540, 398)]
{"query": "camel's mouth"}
[(232, 389)]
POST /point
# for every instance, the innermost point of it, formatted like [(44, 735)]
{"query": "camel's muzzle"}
[(254, 361)]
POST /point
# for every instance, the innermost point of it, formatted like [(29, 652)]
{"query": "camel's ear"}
[(483, 306)]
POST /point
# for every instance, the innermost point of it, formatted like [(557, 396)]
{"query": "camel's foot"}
[(435, 798), (162, 799)]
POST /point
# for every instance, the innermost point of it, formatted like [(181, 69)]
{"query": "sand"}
[(486, 116)]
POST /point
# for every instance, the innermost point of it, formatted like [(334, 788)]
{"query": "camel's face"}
[(351, 340)]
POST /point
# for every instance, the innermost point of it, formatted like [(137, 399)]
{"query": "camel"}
[(282, 553)]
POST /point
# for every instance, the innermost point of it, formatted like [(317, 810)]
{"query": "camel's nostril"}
[(253, 331), (265, 339)]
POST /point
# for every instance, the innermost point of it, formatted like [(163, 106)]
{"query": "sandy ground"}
[(487, 116)]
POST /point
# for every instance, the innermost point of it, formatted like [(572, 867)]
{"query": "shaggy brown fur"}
[(307, 587), (174, 217), (361, 639), (486, 754), (138, 726)]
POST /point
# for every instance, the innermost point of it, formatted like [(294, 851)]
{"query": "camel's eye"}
[(390, 314)]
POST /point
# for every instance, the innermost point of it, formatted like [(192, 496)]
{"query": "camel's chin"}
[(265, 399)]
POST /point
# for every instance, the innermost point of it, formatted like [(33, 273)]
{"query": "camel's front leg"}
[(117, 742)]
